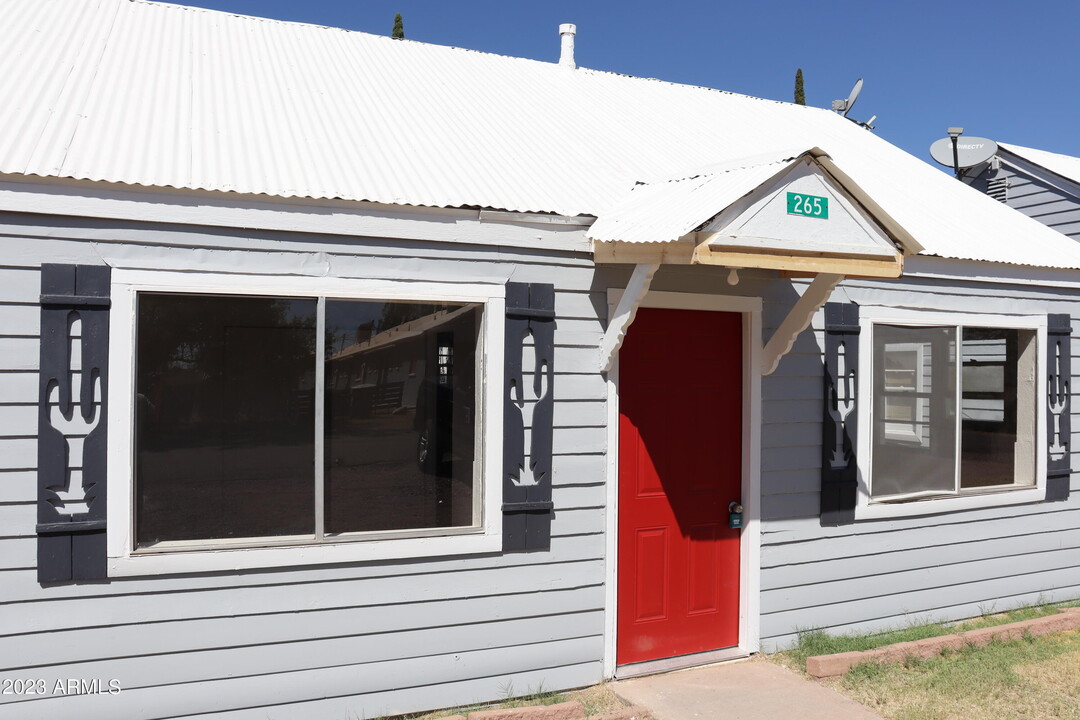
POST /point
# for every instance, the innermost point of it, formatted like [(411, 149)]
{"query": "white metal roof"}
[(665, 211), (1066, 166), (146, 93)]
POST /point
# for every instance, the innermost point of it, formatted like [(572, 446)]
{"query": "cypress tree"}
[(800, 95), (398, 32)]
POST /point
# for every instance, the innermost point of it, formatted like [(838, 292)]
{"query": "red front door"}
[(680, 465)]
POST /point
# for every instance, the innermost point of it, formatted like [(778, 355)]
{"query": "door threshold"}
[(681, 662)]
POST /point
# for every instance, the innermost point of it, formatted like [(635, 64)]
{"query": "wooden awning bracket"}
[(797, 320), (624, 313)]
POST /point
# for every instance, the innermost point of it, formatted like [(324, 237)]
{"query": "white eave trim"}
[(111, 201)]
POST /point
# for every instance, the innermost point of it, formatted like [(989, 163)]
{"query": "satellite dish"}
[(844, 106), (970, 151)]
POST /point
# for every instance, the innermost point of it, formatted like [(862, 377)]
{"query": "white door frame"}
[(750, 542)]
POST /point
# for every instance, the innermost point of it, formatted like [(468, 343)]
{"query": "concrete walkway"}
[(747, 690)]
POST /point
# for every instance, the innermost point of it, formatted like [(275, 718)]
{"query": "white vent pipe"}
[(567, 31)]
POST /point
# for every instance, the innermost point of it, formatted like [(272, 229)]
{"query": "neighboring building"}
[(1042, 185), (343, 376)]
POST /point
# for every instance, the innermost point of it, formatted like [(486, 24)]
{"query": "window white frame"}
[(214, 555), (866, 507)]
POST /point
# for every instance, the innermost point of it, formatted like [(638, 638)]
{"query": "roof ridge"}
[(551, 64)]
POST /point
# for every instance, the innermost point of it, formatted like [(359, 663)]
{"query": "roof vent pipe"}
[(567, 31)]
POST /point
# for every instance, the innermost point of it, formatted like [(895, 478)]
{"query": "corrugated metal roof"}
[(665, 211), (1066, 166), (146, 93)]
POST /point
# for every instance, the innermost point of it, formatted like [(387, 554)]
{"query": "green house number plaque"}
[(808, 205)]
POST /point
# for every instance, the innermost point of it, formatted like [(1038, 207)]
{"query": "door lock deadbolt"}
[(735, 511)]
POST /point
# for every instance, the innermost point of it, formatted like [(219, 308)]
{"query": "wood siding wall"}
[(879, 574), (363, 640), (359, 640), (1052, 200)]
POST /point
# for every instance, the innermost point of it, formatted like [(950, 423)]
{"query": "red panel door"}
[(680, 465)]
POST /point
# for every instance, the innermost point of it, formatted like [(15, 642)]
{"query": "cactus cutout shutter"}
[(1058, 405), (839, 478), (527, 507), (72, 415)]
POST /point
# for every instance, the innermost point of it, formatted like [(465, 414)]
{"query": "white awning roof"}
[(665, 211), (735, 216)]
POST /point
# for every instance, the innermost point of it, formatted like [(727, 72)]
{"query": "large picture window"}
[(265, 419), (954, 410)]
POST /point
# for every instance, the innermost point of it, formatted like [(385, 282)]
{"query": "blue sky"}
[(1009, 71)]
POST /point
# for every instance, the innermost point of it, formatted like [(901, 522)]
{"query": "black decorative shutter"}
[(1058, 406), (527, 507), (839, 469), (72, 421)]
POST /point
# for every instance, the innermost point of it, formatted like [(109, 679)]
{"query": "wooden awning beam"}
[(883, 266)]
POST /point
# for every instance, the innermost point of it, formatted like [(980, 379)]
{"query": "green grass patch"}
[(1011, 680), (1026, 679), (818, 642)]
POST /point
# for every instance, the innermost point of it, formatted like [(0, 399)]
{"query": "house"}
[(1042, 185), (345, 376)]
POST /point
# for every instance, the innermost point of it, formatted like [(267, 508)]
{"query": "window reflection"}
[(914, 430), (998, 409), (954, 410), (401, 415), (226, 417), (224, 413)]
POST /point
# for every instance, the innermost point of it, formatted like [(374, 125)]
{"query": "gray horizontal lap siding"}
[(878, 574), (377, 638), (875, 575), (357, 640), (1039, 194)]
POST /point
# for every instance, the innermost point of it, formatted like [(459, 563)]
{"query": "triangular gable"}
[(802, 219), (738, 217)]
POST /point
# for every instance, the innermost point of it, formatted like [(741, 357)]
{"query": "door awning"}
[(793, 211)]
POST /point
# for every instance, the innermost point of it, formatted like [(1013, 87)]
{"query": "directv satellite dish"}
[(844, 106), (970, 151)]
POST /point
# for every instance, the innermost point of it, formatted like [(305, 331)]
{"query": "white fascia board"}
[(112, 201), (939, 268)]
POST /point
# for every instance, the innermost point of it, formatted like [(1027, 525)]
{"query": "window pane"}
[(914, 429), (997, 408), (401, 415), (224, 414)]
